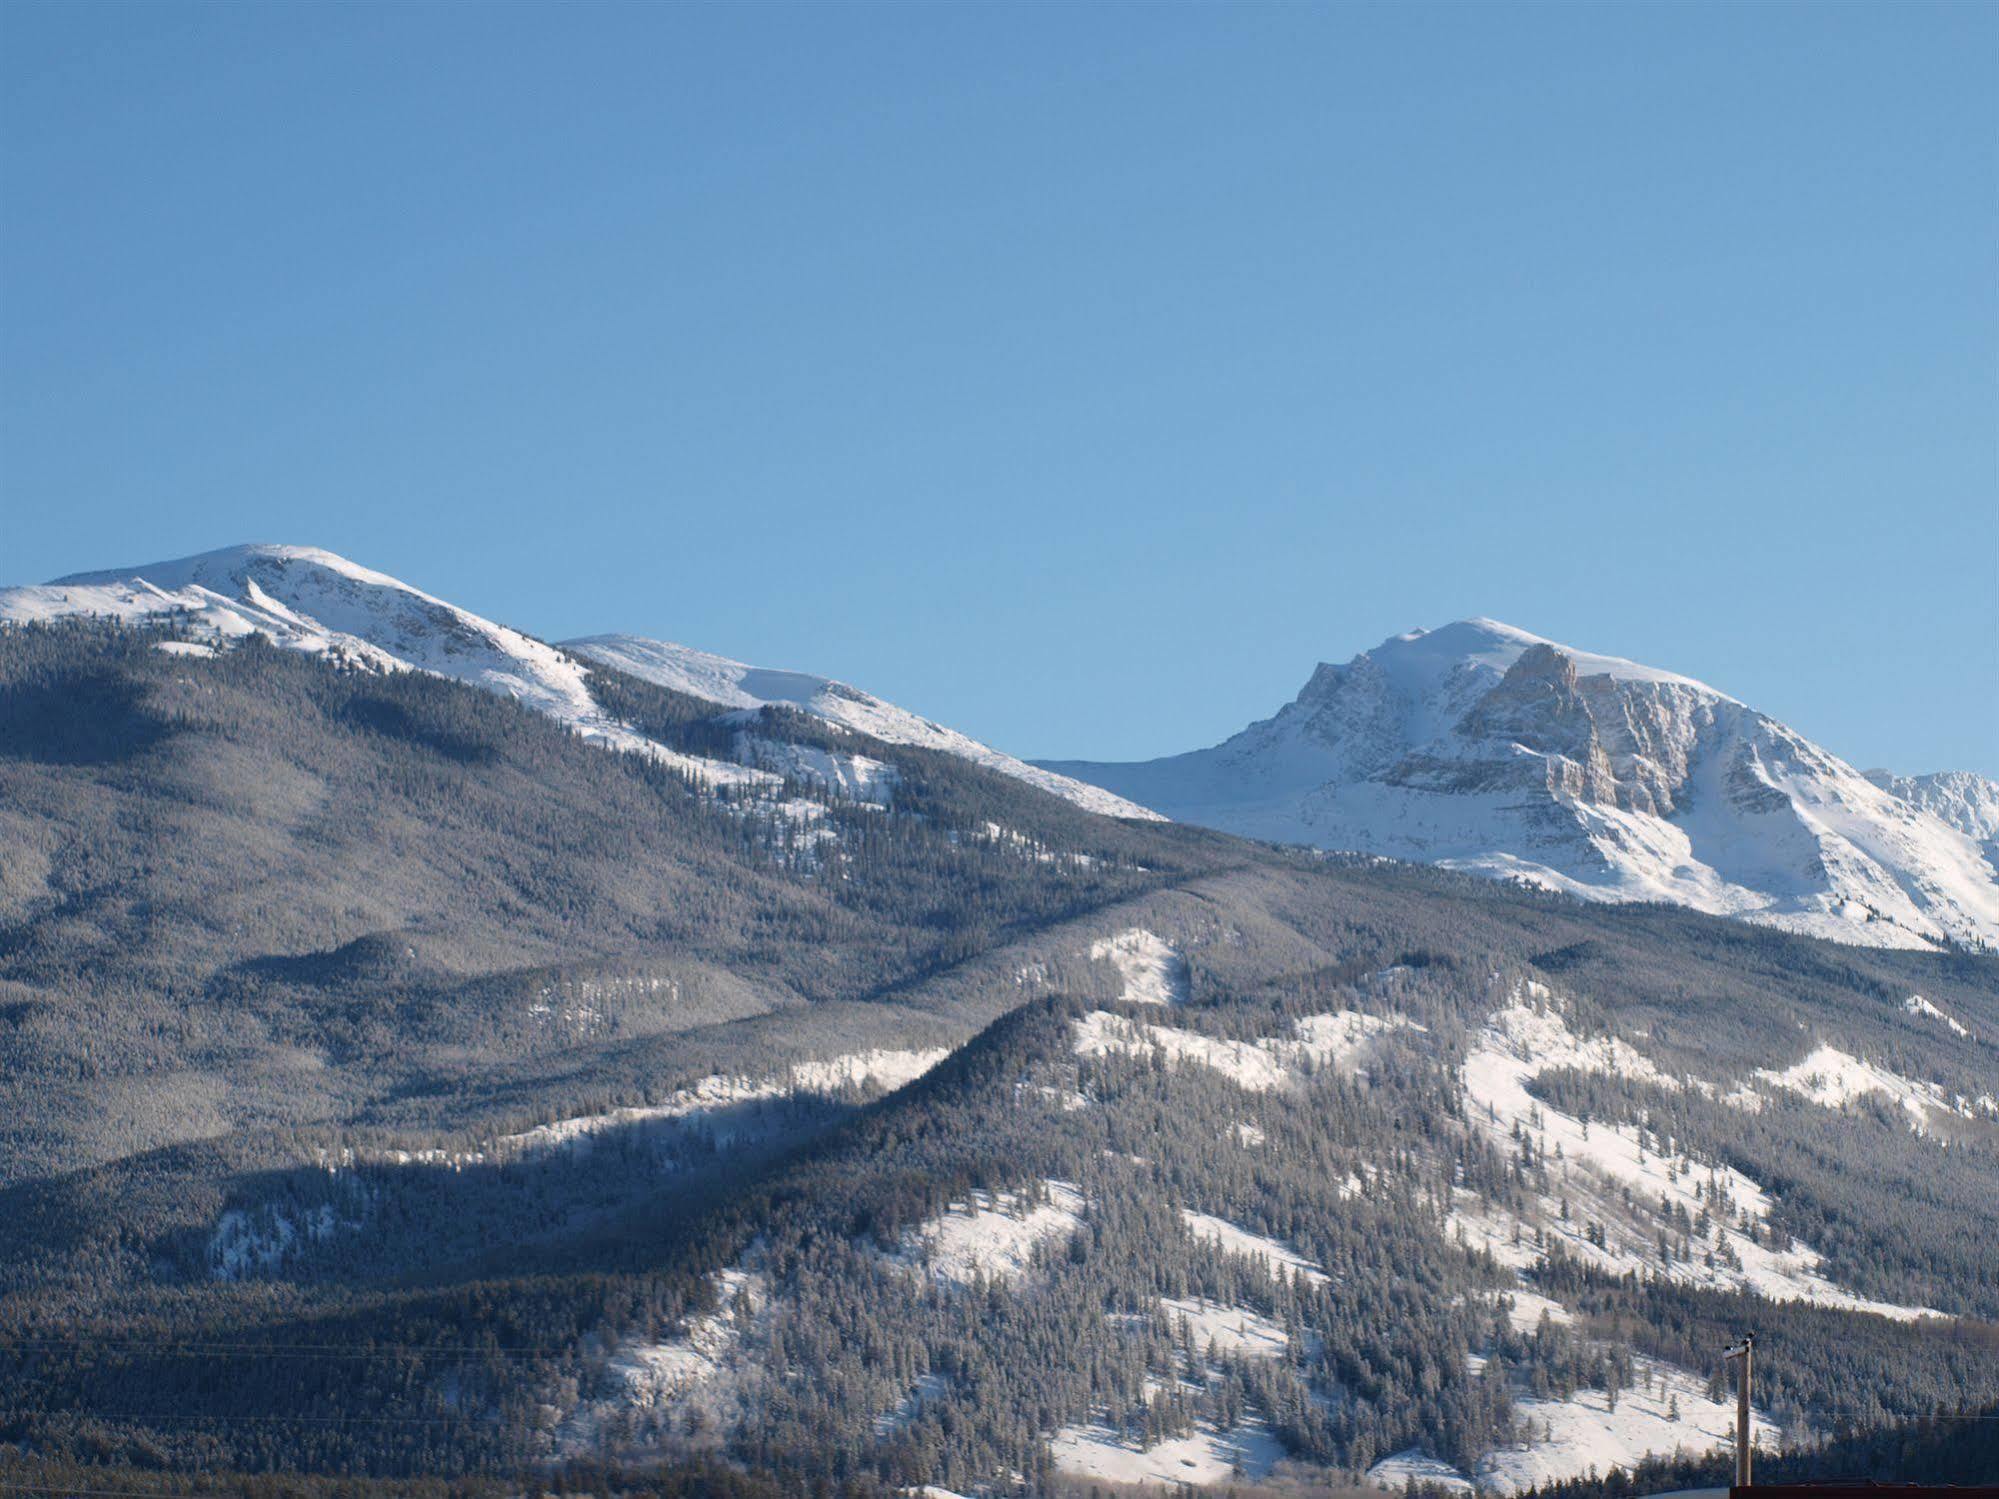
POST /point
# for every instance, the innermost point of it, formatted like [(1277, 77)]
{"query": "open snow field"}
[(1665, 1411), (1832, 1079), (1205, 1457), (1153, 970), (1257, 1066), (991, 1235)]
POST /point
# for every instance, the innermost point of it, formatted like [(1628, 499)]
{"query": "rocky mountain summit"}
[(1958, 798), (1483, 747)]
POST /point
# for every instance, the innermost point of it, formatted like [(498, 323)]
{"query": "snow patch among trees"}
[(856, 778), (247, 1241), (1229, 1331), (1414, 1465), (1916, 1005), (1279, 1261), (1665, 1410), (1154, 972), (711, 1102), (1259, 1066), (1013, 841), (1620, 1197), (1832, 1079), (1096, 1451), (1526, 1309), (992, 1236), (644, 1383)]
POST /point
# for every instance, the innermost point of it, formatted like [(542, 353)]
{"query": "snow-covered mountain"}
[(1960, 799), (308, 599), (1486, 748), (736, 685), (1477, 745)]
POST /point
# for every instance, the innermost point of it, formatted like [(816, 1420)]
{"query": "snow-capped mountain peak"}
[(1420, 658), (312, 600), (1486, 747), (309, 599)]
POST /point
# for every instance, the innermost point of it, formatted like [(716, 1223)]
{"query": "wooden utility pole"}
[(1745, 1353)]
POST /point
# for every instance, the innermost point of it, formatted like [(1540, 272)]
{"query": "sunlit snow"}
[(1276, 1259), (1605, 1171), (1095, 1451), (1154, 973), (1258, 1066), (1833, 1079), (710, 1101), (1915, 1004), (991, 1235)]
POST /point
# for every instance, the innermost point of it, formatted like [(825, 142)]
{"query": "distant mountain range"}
[(1477, 746)]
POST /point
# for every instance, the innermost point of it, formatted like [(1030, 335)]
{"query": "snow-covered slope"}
[(1483, 747), (1961, 799), (736, 685), (308, 599)]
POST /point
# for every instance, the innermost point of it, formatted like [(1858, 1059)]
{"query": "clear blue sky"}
[(1078, 375)]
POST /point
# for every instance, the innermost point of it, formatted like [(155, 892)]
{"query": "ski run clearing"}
[(991, 1236), (1601, 1168), (1153, 970), (1277, 1260), (1666, 1410), (1259, 1066)]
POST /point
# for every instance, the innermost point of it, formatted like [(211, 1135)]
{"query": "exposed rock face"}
[(1957, 798), (1484, 747)]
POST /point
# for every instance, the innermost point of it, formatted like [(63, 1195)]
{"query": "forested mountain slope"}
[(249, 890), (735, 684), (318, 603), (397, 1082)]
